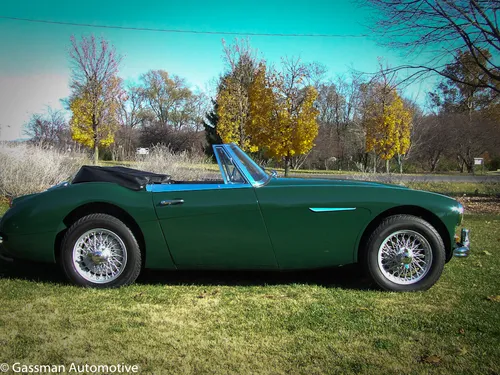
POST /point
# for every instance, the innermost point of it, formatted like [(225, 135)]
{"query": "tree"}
[(429, 142), (283, 117), (169, 98), (48, 129), (131, 112), (388, 123), (85, 129), (210, 125), (233, 103), (436, 30), (95, 90), (467, 108)]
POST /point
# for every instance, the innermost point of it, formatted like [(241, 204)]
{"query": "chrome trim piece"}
[(219, 163), (462, 248), (171, 202), (331, 209), (246, 174), (234, 159)]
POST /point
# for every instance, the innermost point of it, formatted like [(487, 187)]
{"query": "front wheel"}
[(100, 251), (405, 253)]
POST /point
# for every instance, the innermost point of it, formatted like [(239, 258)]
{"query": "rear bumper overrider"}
[(462, 248)]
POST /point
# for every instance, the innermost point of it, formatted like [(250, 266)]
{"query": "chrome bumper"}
[(462, 248)]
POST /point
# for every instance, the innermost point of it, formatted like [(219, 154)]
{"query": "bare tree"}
[(429, 145), (131, 109), (48, 129), (435, 31)]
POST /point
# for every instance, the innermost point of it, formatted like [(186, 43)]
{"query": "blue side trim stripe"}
[(163, 188), (331, 209)]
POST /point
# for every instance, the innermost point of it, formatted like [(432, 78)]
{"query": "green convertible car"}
[(107, 224)]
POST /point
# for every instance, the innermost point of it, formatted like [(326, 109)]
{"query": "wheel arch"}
[(423, 213), (100, 208)]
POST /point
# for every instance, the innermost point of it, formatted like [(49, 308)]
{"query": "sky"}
[(34, 65)]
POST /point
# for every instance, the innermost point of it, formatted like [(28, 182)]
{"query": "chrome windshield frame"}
[(240, 165), (236, 162)]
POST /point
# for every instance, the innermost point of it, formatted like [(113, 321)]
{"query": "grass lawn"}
[(258, 322), (458, 188)]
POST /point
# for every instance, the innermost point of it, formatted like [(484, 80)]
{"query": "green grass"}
[(112, 163), (239, 323), (4, 205), (458, 188)]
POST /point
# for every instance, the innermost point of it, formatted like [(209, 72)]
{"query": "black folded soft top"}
[(127, 177)]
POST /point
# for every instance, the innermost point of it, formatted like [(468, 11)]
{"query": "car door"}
[(214, 225), (312, 226)]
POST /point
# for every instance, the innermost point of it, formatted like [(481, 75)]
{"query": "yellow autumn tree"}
[(90, 130), (96, 89), (388, 125), (233, 97), (282, 117), (232, 101)]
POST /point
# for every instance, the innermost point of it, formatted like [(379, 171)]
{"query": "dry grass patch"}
[(28, 169)]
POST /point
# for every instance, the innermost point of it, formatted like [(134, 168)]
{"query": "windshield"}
[(256, 173), (230, 172)]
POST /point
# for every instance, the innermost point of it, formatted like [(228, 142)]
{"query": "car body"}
[(247, 220)]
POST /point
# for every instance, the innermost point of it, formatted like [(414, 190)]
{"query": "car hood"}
[(327, 182)]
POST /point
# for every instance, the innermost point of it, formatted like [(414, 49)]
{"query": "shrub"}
[(27, 169), (183, 166)]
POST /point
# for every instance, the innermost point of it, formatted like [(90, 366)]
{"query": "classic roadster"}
[(109, 223)]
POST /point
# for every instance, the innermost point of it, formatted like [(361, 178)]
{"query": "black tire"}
[(132, 267), (390, 226)]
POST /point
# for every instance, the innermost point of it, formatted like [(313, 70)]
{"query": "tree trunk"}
[(96, 143), (387, 166), (287, 165), (374, 162), (96, 153)]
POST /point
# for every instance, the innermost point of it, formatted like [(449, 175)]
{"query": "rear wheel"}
[(405, 253), (100, 251)]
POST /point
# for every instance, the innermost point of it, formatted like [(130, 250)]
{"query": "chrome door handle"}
[(171, 202)]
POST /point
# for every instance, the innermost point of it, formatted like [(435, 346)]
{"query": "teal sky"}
[(34, 69)]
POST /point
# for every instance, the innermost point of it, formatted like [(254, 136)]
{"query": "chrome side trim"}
[(331, 209), (162, 188)]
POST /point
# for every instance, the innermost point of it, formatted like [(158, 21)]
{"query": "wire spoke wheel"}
[(99, 256), (405, 257)]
